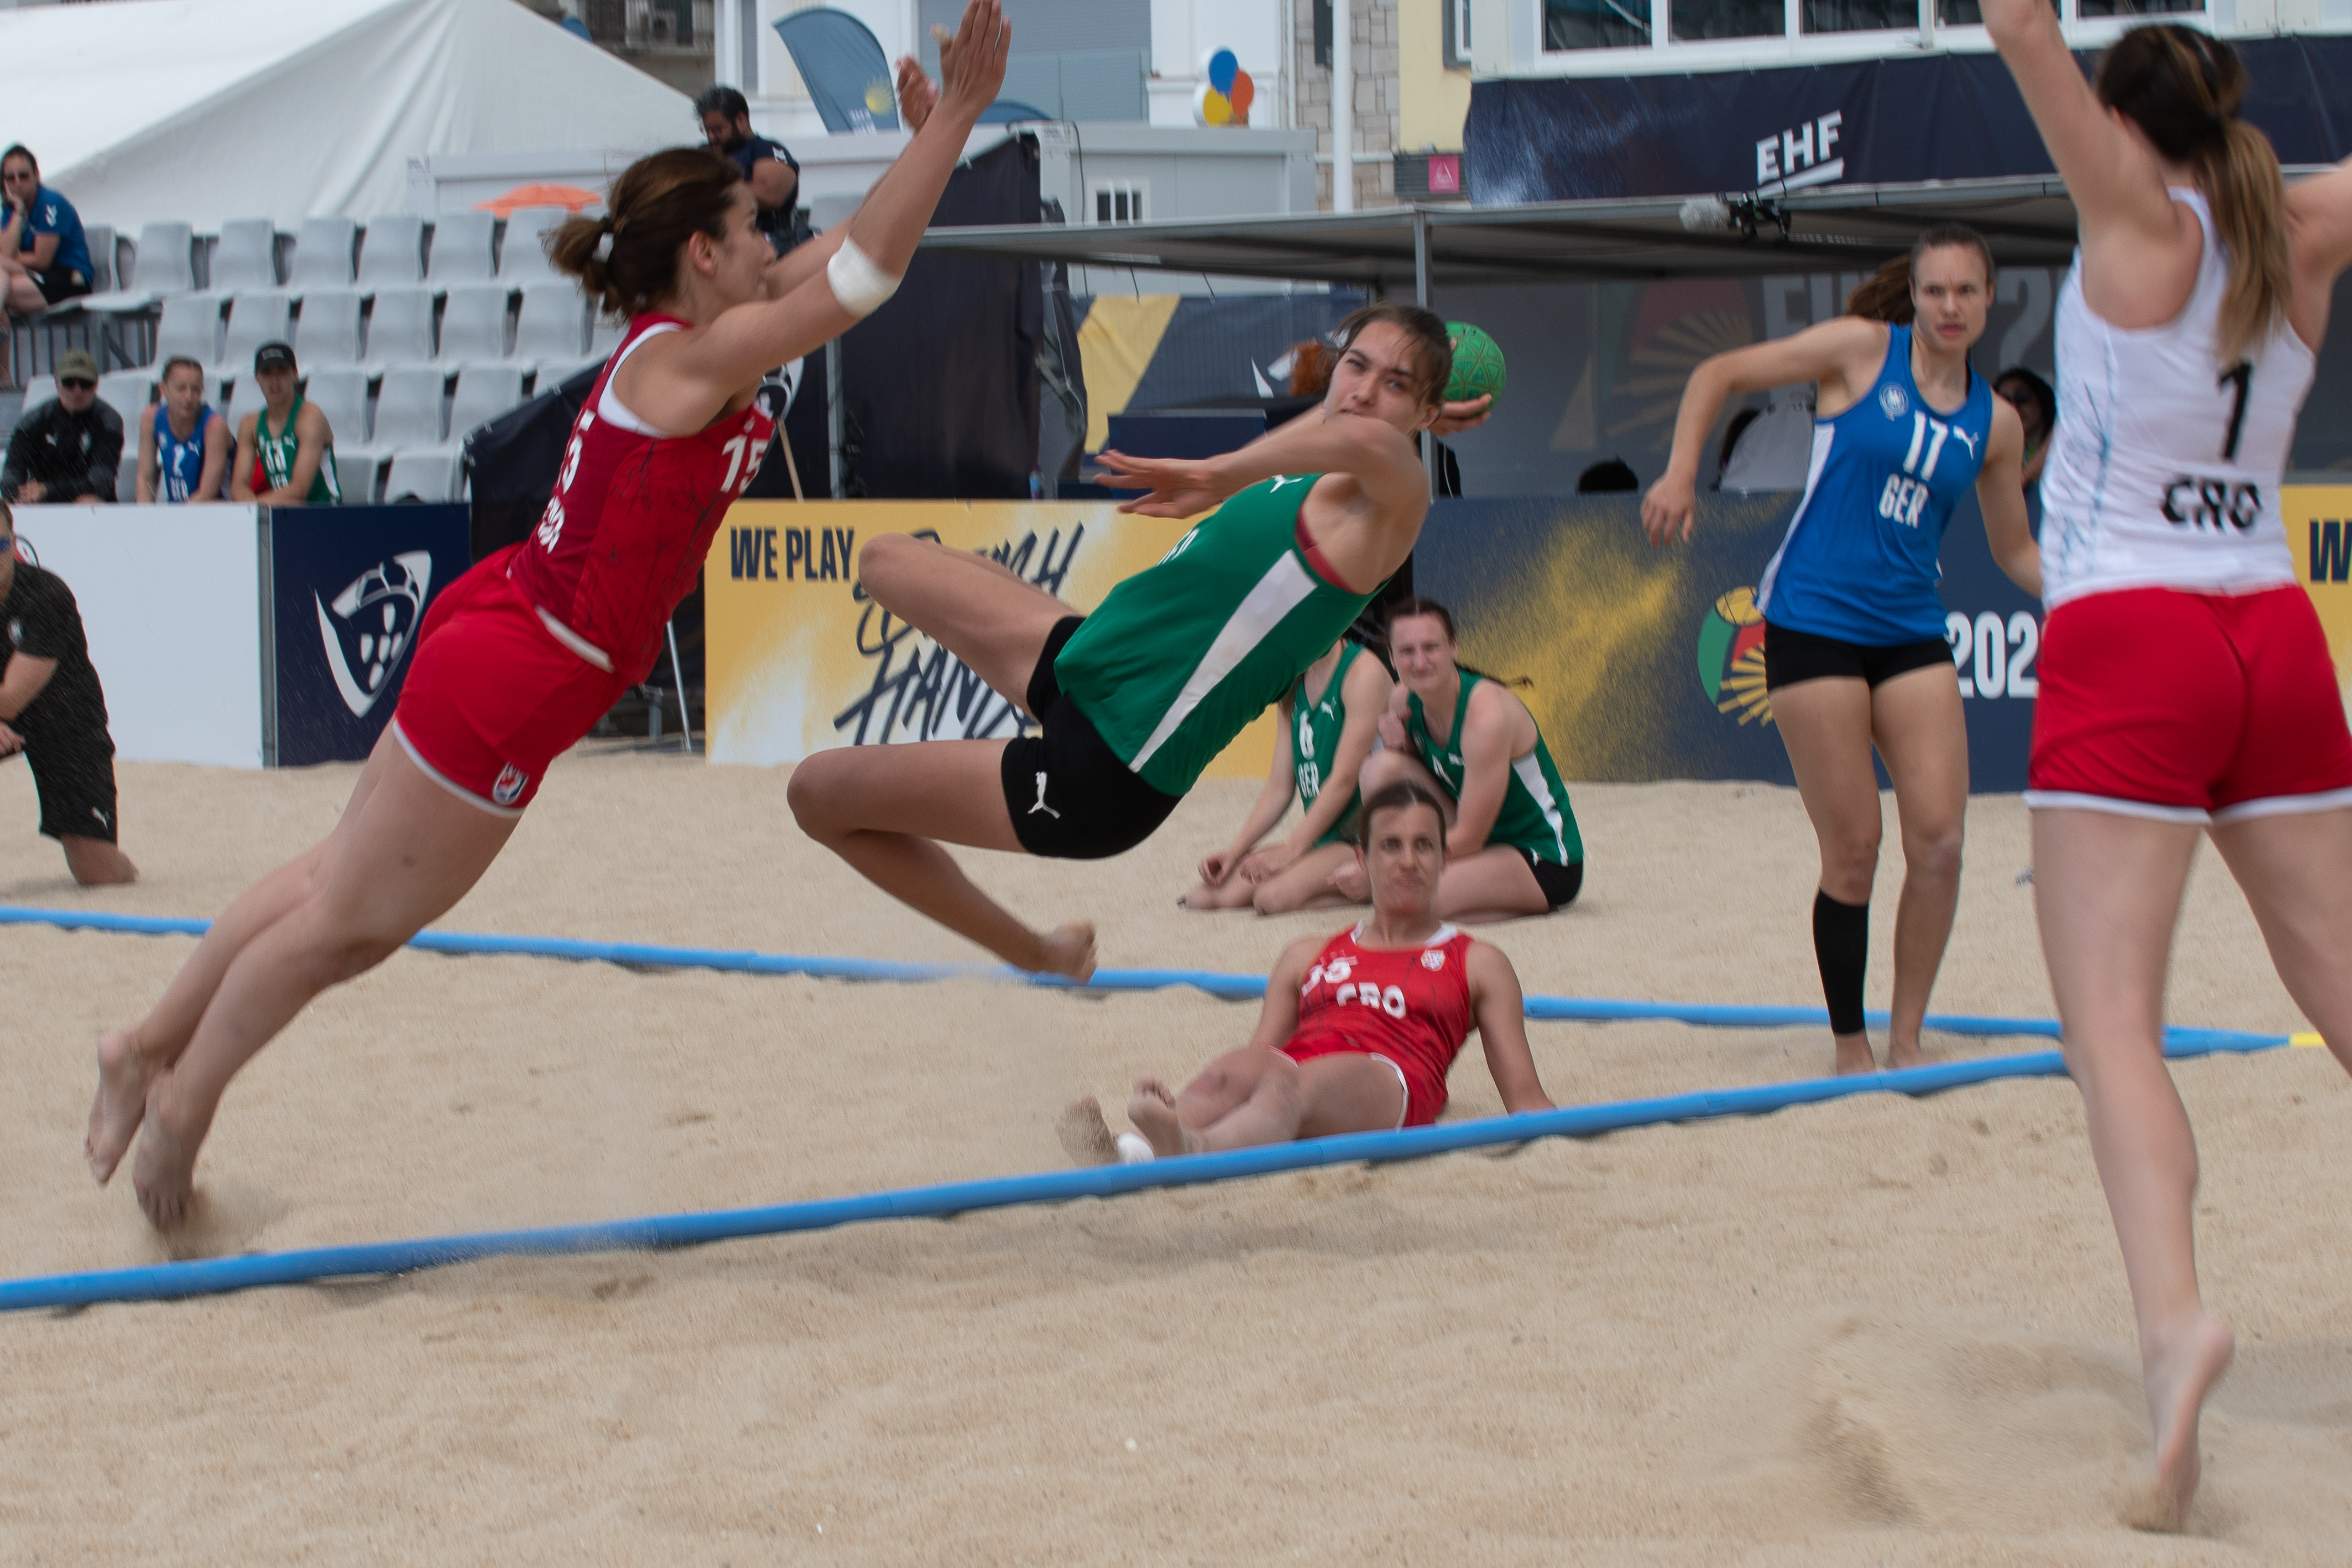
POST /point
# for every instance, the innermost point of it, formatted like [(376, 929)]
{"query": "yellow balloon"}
[(1218, 109)]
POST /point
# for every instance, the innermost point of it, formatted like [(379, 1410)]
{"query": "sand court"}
[(1881, 1329)]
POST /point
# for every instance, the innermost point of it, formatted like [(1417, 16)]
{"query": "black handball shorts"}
[(1790, 657), (74, 779), (1070, 795)]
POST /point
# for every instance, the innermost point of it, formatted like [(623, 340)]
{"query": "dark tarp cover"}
[(1933, 117)]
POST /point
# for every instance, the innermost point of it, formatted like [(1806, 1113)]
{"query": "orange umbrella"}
[(542, 196)]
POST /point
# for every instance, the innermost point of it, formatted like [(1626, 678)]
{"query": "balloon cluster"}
[(1225, 92)]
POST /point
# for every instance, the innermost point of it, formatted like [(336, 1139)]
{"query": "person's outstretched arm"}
[(1264, 811), (1842, 355), (1379, 457), (2001, 496), (1501, 1015), (682, 384)]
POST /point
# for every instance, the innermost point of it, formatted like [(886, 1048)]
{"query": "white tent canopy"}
[(208, 109)]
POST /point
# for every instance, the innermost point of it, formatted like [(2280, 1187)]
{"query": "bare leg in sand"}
[(1255, 1096)]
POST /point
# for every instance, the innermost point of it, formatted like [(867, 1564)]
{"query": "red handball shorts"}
[(492, 697), (2188, 707), (1424, 1097)]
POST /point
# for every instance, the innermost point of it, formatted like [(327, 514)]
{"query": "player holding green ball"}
[(1477, 366)]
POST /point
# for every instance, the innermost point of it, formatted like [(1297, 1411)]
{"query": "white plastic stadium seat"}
[(407, 413), (399, 329), (605, 335), (39, 390), (322, 254), (329, 330), (244, 397), (245, 258), (433, 474), (422, 477), (355, 476), (190, 326), (255, 319), (461, 248), (522, 256), (129, 393), (554, 326), (474, 324), (340, 392), (393, 250), (101, 238), (163, 265)]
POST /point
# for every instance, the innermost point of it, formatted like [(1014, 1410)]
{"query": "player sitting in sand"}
[(1358, 1031)]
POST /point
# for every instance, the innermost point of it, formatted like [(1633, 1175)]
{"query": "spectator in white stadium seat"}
[(69, 449), (183, 441), (774, 175), (43, 250), (295, 466)]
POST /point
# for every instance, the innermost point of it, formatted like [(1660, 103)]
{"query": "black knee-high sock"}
[(1841, 946)]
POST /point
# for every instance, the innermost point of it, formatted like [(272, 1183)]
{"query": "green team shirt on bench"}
[(277, 456), (1535, 815), (1315, 740), (1179, 658)]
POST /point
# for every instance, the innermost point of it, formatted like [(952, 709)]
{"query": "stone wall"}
[(1373, 38)]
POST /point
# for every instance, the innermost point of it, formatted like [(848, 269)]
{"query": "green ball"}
[(1477, 364)]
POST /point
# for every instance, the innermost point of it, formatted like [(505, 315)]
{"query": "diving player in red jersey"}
[(1358, 1030), (521, 655)]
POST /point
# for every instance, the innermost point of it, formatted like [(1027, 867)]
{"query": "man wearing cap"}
[(774, 175), (53, 710), (285, 452), (68, 449)]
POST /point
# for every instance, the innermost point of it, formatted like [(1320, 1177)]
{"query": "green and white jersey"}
[(1179, 658), (1314, 729), (276, 458), (1535, 815)]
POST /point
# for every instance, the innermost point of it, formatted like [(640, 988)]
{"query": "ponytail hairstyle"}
[(1886, 294), (629, 257), (1416, 605), (2182, 89)]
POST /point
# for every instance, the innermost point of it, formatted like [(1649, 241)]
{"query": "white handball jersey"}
[(2166, 467)]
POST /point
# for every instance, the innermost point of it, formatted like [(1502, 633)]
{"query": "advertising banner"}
[(1649, 664), (348, 586), (801, 660), (171, 601), (2319, 532)]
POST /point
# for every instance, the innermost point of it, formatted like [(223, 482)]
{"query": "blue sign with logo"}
[(348, 586)]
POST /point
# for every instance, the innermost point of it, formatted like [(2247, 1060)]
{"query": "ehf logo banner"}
[(349, 586)]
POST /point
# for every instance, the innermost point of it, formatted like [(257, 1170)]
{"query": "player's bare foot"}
[(1153, 1110), (115, 1111), (164, 1174), (2178, 1380), (1085, 1136), (1853, 1055), (1069, 951), (1900, 1055)]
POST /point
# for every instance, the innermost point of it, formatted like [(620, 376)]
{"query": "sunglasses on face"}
[(76, 383)]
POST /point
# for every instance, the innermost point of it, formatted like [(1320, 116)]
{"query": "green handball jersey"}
[(1179, 658), (1315, 740), (277, 459), (1536, 816)]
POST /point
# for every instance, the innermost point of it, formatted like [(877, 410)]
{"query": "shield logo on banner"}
[(369, 627)]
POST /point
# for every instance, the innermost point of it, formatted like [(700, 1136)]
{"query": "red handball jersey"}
[(1409, 1005), (631, 517)]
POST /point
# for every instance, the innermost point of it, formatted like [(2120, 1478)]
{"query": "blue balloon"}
[(1222, 68)]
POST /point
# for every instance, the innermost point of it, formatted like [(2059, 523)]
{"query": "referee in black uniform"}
[(53, 710)]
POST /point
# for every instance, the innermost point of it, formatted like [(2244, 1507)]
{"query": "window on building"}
[(1596, 23), (1964, 12), (2087, 8), (1119, 203), (1859, 15), (1697, 19)]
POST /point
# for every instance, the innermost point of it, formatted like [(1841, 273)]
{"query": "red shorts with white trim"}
[(2188, 707), (1424, 1097), (492, 697)]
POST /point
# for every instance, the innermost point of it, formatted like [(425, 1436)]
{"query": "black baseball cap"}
[(271, 355)]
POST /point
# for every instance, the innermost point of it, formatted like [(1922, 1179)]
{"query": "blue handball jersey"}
[(180, 465), (1860, 560)]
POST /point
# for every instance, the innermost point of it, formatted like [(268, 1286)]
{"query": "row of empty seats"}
[(477, 323), (407, 450), (333, 253)]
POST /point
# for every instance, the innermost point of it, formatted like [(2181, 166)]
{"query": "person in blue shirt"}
[(183, 443), (43, 251), (773, 173), (1855, 650)]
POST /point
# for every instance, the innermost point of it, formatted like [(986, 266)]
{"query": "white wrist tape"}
[(856, 282)]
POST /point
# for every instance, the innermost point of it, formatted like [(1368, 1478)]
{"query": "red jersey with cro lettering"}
[(631, 517), (1410, 1005)]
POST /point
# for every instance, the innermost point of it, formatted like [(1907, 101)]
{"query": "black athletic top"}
[(71, 454), (39, 618)]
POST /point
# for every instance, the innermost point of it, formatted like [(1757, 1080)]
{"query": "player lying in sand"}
[(1134, 700), (1358, 1031)]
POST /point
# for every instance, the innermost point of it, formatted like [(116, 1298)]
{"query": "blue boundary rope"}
[(219, 1276)]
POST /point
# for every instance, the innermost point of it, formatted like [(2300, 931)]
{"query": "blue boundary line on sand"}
[(221, 1275)]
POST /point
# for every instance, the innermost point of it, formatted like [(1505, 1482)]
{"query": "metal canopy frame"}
[(2030, 221)]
